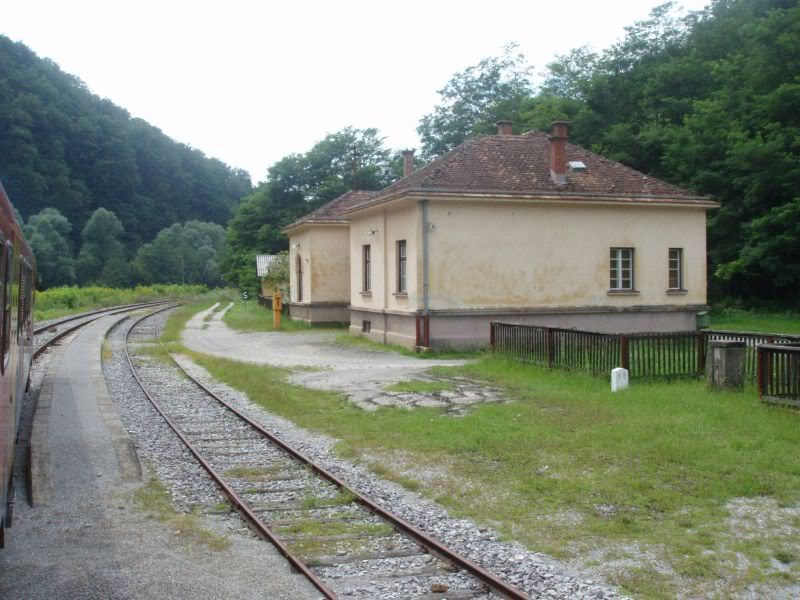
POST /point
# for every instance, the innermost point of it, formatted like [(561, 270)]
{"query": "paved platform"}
[(84, 537)]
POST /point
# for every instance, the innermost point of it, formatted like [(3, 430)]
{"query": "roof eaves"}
[(704, 201)]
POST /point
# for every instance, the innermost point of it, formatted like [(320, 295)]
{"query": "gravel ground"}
[(362, 374), (535, 573)]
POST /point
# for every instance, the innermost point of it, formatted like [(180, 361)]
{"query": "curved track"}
[(226, 443), (90, 317)]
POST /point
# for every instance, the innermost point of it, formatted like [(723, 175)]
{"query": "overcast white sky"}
[(249, 82)]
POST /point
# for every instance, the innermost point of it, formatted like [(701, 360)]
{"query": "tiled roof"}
[(335, 210), (520, 164)]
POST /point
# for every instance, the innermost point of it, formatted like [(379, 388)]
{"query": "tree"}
[(185, 254), (296, 185), (474, 99), (48, 235), (64, 147), (102, 256)]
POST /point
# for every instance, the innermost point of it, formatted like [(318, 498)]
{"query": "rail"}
[(779, 373)]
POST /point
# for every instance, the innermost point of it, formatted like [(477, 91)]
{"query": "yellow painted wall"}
[(485, 255), (324, 250), (502, 254), (381, 229)]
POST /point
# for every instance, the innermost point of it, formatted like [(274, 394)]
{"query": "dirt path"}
[(361, 373)]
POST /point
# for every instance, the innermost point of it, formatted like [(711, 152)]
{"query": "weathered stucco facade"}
[(540, 262), (319, 263)]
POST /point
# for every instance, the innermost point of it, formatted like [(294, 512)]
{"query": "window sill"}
[(623, 292), (366, 293), (400, 294), (677, 292)]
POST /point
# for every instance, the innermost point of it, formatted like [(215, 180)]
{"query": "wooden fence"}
[(752, 342), (645, 355), (779, 373)]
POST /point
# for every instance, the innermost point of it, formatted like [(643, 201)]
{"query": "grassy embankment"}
[(748, 320), (63, 301), (650, 486)]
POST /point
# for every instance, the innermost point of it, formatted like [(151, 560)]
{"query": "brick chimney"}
[(504, 127), (558, 152), (408, 162)]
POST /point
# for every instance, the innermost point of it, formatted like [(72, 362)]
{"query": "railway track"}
[(50, 334), (344, 543)]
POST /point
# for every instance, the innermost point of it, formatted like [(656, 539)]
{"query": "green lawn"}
[(641, 485), (756, 321), (249, 316)]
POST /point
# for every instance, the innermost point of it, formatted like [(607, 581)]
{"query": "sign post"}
[(245, 296), (277, 305)]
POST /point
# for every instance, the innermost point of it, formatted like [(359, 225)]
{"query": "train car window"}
[(7, 303), (3, 293), (22, 284)]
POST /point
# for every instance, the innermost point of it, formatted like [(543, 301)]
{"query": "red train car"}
[(17, 283)]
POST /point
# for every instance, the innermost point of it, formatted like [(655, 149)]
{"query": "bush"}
[(62, 300)]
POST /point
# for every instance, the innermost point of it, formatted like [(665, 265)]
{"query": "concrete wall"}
[(324, 250), (512, 255), (320, 313)]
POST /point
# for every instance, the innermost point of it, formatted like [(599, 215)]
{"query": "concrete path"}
[(361, 373), (85, 538)]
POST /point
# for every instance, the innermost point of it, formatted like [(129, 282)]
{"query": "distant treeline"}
[(63, 147), (187, 253), (709, 100)]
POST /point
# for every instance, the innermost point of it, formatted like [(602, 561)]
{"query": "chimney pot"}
[(558, 152), (505, 127), (408, 162)]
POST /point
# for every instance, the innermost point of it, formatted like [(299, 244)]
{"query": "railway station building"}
[(519, 228)]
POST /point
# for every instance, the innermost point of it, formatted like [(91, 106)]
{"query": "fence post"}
[(701, 352), (624, 355), (760, 365), (491, 335), (550, 347)]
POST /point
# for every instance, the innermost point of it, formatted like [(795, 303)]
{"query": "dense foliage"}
[(63, 147), (59, 301), (186, 254), (708, 100), (297, 184)]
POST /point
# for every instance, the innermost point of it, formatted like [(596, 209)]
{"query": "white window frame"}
[(402, 266), (675, 265), (366, 265), (620, 260)]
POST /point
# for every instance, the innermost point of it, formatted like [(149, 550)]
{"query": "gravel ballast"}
[(536, 574)]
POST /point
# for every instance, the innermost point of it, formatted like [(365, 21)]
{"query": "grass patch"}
[(569, 468), (418, 386), (249, 316), (62, 301), (152, 497), (249, 473), (342, 498), (756, 321)]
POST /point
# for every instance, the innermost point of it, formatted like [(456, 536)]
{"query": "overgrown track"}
[(312, 517), (88, 317)]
